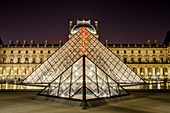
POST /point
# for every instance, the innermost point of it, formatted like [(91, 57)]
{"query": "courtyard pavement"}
[(137, 102)]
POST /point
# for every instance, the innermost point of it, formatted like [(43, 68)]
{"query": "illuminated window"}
[(26, 60), (11, 60)]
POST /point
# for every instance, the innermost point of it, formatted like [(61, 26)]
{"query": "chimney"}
[(60, 43), (155, 42), (24, 42), (70, 25), (10, 42), (46, 42), (106, 43), (17, 42), (32, 42), (96, 25), (148, 42)]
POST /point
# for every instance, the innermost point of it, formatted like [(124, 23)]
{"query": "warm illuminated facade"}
[(147, 60)]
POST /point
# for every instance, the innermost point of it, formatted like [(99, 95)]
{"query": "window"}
[(41, 51), (132, 51), (41, 60), (139, 51), (11, 60), (160, 51), (139, 60), (4, 51), (26, 51), (34, 52), (12, 51), (125, 60), (132, 60), (33, 60), (117, 51), (3, 60), (146, 51), (48, 51), (19, 52), (147, 60), (162, 60), (153, 51), (154, 60), (19, 60), (26, 60), (124, 51)]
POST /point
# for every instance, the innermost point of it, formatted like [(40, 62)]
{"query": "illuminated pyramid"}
[(83, 76), (83, 41)]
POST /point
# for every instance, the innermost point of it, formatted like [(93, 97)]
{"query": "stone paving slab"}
[(139, 102)]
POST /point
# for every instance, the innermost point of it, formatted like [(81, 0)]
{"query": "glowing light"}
[(166, 73), (83, 40)]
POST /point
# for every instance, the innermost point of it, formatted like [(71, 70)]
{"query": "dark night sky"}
[(120, 21)]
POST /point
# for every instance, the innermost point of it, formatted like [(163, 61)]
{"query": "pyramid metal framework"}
[(83, 69), (83, 76), (73, 50)]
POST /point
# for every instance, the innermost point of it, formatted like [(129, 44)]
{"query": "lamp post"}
[(158, 81)]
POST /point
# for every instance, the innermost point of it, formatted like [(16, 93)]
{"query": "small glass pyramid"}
[(83, 76)]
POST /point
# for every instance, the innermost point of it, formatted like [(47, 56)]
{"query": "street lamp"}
[(142, 74), (158, 74)]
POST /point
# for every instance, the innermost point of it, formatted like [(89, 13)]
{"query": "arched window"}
[(134, 70), (142, 72), (150, 72), (165, 72), (157, 72)]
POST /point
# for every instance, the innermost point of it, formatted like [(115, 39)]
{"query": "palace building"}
[(150, 61)]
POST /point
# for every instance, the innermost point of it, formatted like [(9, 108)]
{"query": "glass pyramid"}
[(83, 79), (82, 42)]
